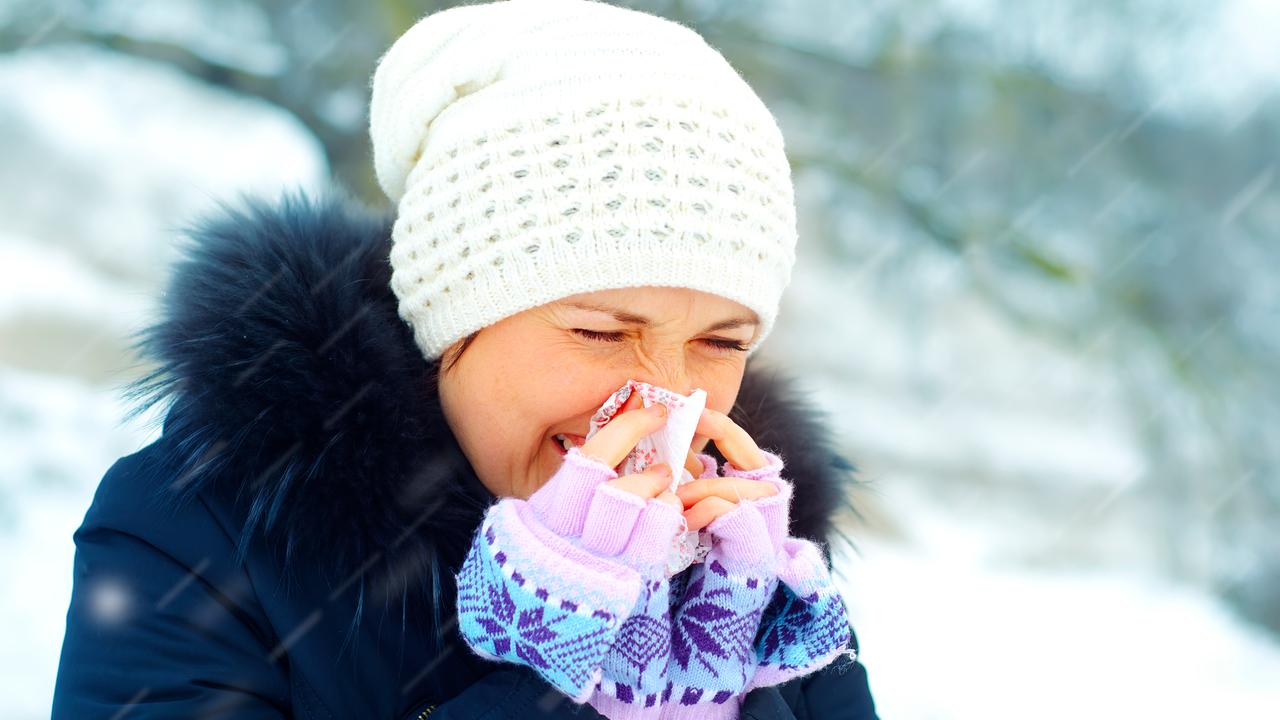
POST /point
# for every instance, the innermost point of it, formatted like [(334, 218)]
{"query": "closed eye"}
[(717, 343)]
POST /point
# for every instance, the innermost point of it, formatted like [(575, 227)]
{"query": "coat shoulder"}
[(135, 510), (150, 576), (133, 498)]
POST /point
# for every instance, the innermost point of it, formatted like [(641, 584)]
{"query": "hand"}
[(750, 472), (703, 500), (633, 518), (611, 444)]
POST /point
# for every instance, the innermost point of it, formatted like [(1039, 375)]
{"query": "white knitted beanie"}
[(541, 148)]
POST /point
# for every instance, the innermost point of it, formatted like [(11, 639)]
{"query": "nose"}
[(665, 370)]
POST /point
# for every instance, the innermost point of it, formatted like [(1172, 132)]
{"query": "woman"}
[(308, 535)]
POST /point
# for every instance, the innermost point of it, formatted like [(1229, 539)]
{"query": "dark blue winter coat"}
[(287, 546)]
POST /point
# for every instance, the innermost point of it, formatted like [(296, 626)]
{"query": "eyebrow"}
[(630, 318)]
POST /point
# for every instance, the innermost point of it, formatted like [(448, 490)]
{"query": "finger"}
[(730, 489), (612, 442), (693, 464), (648, 483), (706, 512), (733, 442), (670, 498), (633, 402), (699, 442)]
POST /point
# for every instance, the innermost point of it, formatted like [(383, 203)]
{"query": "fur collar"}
[(298, 396)]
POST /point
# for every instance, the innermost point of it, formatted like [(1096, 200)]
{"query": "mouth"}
[(564, 441)]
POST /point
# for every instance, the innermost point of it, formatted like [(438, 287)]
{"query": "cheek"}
[(547, 393), (574, 386), (522, 386)]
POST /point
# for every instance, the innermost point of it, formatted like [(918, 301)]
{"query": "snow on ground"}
[(1006, 583)]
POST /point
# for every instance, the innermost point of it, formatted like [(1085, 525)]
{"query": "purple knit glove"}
[(552, 582), (723, 643), (635, 532), (805, 625), (775, 509), (635, 667)]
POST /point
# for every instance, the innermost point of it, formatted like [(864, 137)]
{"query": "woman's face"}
[(545, 371)]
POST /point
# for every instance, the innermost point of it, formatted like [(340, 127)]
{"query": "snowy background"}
[(1038, 294)]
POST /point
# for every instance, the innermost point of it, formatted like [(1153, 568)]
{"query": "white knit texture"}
[(542, 148)]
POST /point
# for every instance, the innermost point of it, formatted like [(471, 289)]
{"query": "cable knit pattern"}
[(541, 148), (571, 583)]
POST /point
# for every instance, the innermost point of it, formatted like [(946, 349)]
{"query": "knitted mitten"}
[(550, 582), (805, 626), (762, 608)]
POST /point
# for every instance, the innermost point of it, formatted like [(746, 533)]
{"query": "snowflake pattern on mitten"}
[(806, 624)]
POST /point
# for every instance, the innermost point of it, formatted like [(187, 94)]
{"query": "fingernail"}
[(659, 409)]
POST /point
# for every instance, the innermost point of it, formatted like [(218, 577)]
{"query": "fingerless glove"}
[(550, 582), (805, 626)]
